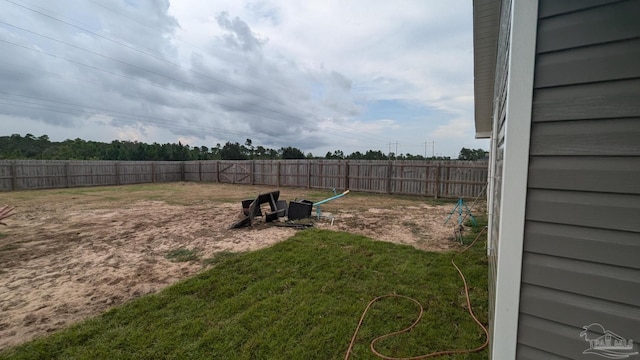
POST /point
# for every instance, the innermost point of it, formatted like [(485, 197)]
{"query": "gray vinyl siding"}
[(581, 260)]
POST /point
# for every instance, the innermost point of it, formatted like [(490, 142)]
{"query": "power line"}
[(131, 18), (167, 124), (148, 83), (254, 135), (122, 14), (139, 68), (180, 66)]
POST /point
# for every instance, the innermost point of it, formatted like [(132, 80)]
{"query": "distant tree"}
[(249, 146), (355, 155), (272, 154), (291, 153), (180, 152), (195, 154), (375, 155), (16, 146), (216, 152), (414, 157), (260, 152), (471, 154), (337, 154), (141, 152), (232, 151)]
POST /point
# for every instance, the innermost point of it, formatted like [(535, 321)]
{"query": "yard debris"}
[(299, 209), (296, 210), (5, 212), (335, 196), (253, 211), (294, 224)]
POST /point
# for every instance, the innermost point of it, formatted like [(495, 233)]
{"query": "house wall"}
[(581, 255), (496, 153)]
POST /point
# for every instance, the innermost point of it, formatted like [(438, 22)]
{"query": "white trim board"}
[(514, 178)]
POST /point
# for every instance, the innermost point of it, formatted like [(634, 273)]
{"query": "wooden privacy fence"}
[(447, 179)]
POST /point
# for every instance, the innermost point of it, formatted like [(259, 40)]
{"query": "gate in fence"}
[(235, 173)]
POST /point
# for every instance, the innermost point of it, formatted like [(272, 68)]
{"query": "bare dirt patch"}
[(74, 253)]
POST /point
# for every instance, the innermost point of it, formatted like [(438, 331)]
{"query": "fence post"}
[(308, 174), (200, 171), (14, 176), (153, 172), (346, 175), (182, 171), (66, 174), (278, 174), (445, 190), (389, 171), (401, 177), (427, 171), (117, 173), (253, 170), (437, 184)]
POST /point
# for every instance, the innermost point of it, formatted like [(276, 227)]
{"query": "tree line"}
[(42, 148)]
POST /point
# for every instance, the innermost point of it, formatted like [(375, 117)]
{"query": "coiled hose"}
[(433, 354)]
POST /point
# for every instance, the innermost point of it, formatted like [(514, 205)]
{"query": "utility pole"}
[(395, 155), (433, 148)]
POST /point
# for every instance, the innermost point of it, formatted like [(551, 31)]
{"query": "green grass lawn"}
[(299, 299)]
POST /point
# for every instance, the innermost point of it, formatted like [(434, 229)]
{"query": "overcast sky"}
[(317, 75)]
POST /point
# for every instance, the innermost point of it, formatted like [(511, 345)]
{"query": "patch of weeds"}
[(183, 255), (2, 235), (473, 231), (9, 247)]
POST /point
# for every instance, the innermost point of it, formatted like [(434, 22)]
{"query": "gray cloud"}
[(128, 88), (250, 70), (240, 35)]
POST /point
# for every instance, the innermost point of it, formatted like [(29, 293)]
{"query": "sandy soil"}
[(69, 255)]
